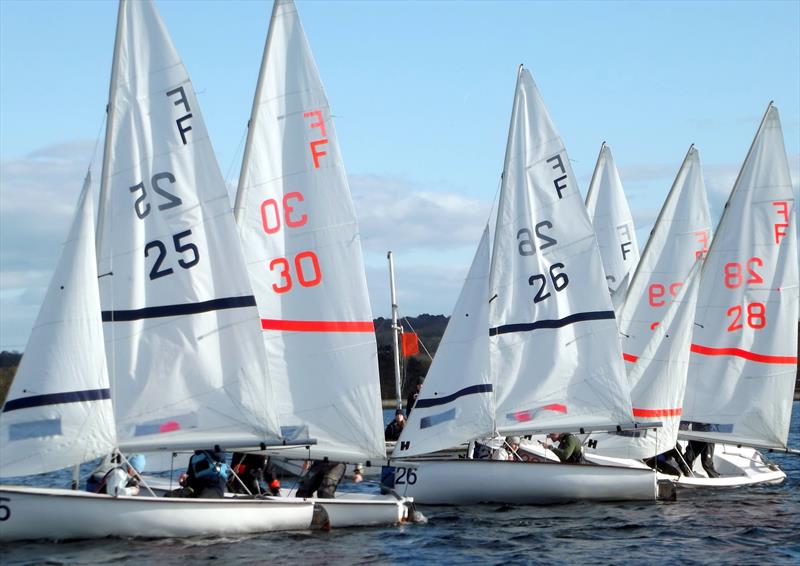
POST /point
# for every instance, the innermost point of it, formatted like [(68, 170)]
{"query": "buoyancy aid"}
[(206, 467)]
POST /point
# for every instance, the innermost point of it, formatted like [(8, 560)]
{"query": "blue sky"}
[(422, 94)]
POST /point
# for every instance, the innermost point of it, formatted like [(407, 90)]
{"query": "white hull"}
[(346, 510), (456, 482), (60, 514), (360, 510), (737, 466)]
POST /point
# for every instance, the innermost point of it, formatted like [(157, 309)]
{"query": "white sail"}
[(744, 348), (58, 411), (658, 380), (181, 326), (455, 404), (555, 355), (613, 223), (680, 235), (303, 253)]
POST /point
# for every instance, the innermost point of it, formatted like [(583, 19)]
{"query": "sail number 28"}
[(752, 315)]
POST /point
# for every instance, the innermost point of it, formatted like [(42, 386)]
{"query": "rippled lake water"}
[(743, 526)]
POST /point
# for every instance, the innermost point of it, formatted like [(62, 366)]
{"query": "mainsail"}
[(298, 227), (744, 348), (456, 401), (657, 317), (181, 327), (554, 355), (58, 411), (680, 236), (613, 223), (658, 380)]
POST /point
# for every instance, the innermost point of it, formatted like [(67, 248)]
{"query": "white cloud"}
[(38, 193), (396, 214)]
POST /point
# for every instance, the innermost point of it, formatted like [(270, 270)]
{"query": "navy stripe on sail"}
[(472, 389), (558, 323), (179, 310), (706, 427), (57, 399)]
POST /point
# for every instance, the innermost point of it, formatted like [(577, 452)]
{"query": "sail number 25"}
[(190, 255)]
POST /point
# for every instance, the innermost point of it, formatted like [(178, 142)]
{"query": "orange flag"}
[(410, 344)]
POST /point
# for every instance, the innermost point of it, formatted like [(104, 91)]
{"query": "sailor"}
[(569, 447), (323, 477), (395, 427), (206, 475), (509, 450), (124, 479), (705, 450), (251, 470), (412, 397)]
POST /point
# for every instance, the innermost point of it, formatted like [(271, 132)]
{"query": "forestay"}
[(555, 355), (658, 380), (744, 348), (456, 403), (303, 253), (613, 223), (58, 411), (182, 330)]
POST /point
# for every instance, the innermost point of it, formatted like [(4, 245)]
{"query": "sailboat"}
[(744, 347), (178, 318), (613, 224), (531, 346), (300, 236), (656, 319)]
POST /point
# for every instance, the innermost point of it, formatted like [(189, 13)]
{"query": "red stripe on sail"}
[(317, 325), (629, 357), (557, 407), (657, 412), (752, 356)]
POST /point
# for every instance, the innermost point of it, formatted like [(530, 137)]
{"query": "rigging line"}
[(97, 139), (233, 159), (419, 339)]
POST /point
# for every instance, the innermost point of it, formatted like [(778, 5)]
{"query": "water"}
[(758, 524)]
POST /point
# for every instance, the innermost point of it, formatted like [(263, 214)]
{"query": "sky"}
[(421, 93)]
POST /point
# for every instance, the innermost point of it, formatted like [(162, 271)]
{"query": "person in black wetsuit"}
[(207, 474), (252, 469), (323, 477), (705, 450), (412, 397), (394, 428)]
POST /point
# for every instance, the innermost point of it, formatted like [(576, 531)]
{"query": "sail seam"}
[(556, 323)]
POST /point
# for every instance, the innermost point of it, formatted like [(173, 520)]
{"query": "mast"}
[(736, 182), (112, 97), (636, 272), (243, 172), (503, 197), (395, 333), (590, 192)]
